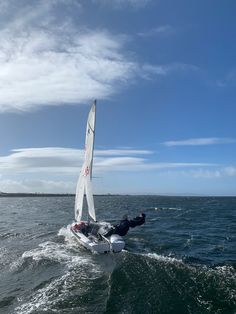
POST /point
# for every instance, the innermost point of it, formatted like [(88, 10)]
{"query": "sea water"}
[(183, 260)]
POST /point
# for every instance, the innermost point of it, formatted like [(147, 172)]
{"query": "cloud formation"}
[(160, 30), (67, 161), (200, 141), (56, 169), (41, 68), (36, 186), (49, 59), (222, 172), (44, 63), (120, 4)]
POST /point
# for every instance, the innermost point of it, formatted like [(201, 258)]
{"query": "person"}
[(137, 221), (81, 227), (123, 227)]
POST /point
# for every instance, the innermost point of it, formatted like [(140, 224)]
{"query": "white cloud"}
[(228, 80), (130, 164), (207, 174), (43, 63), (160, 30), (147, 71), (49, 61), (48, 159), (118, 152), (200, 173), (229, 171), (56, 169), (41, 68), (67, 161), (35, 186), (46, 63), (200, 141), (120, 4)]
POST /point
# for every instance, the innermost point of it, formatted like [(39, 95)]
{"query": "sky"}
[(164, 76)]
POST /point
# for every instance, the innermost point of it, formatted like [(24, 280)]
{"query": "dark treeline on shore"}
[(34, 194)]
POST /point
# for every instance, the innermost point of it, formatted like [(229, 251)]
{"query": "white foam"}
[(225, 272), (65, 232), (168, 208), (47, 297), (163, 258), (78, 265), (56, 252), (68, 237), (47, 250)]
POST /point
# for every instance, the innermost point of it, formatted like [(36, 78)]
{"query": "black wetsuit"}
[(137, 221), (122, 228)]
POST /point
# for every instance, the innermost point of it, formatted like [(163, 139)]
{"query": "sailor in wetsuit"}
[(123, 227), (137, 221)]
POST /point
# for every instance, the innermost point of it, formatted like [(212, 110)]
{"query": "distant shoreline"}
[(2, 194), (34, 194)]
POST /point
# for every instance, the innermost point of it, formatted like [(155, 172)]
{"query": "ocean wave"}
[(162, 258), (4, 256), (44, 298), (168, 283), (55, 252), (158, 208), (79, 272), (70, 291)]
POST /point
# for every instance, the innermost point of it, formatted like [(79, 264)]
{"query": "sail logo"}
[(86, 171)]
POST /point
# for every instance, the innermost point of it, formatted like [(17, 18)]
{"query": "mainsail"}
[(84, 185)]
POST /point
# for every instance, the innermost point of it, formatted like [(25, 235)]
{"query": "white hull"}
[(112, 244)]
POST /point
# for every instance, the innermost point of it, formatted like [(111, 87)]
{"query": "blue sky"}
[(164, 75)]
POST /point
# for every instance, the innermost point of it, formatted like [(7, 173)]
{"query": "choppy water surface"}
[(182, 260)]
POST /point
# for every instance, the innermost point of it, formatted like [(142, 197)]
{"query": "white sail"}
[(102, 242), (84, 184), (79, 197), (89, 197)]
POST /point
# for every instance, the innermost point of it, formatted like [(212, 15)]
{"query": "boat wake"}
[(68, 237), (82, 282), (75, 276), (169, 285)]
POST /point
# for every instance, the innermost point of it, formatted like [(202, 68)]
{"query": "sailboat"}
[(90, 233)]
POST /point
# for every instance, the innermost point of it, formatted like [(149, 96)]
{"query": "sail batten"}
[(84, 185)]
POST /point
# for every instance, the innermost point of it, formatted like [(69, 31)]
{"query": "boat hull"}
[(102, 245), (117, 243)]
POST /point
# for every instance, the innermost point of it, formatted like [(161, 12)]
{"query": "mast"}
[(94, 125)]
